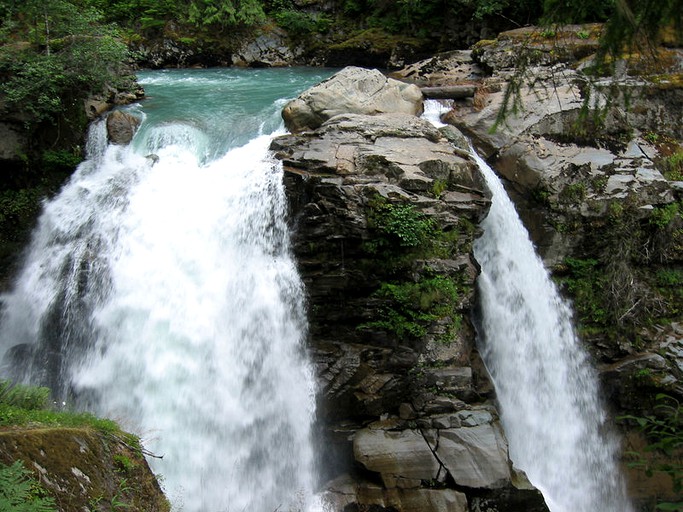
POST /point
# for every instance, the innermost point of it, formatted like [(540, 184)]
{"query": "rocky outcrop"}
[(384, 210), (352, 90), (84, 469), (589, 163), (270, 48)]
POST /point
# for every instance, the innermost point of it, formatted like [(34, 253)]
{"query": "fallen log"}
[(448, 92)]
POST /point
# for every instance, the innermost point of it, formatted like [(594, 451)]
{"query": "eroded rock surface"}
[(353, 90), (589, 163), (384, 210)]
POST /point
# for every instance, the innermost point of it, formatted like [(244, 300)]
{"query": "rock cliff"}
[(591, 163), (384, 209)]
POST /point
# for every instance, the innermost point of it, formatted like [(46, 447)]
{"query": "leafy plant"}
[(664, 432), (661, 217), (20, 492), (586, 284), (23, 405), (300, 23), (411, 306), (400, 224)]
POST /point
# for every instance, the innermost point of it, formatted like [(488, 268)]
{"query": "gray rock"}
[(403, 458), (345, 492), (475, 457), (269, 49), (351, 90)]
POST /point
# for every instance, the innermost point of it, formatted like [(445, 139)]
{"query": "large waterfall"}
[(159, 290), (547, 390)]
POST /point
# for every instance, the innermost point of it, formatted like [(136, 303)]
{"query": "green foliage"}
[(673, 166), (664, 432), (411, 306), (663, 216), (299, 23), (26, 397), (439, 187), (60, 159), (398, 224), (669, 277), (18, 205), (225, 13), (27, 405), (20, 492), (573, 193), (123, 463), (71, 54), (586, 282)]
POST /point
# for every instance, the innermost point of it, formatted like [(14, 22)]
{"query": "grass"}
[(28, 406)]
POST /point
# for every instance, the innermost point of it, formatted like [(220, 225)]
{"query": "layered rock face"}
[(384, 211), (590, 164)]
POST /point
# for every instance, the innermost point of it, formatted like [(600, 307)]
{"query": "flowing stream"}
[(546, 387), (159, 290)]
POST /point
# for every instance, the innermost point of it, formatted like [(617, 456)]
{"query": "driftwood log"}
[(448, 92)]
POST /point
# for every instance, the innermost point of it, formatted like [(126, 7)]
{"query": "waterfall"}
[(161, 292), (547, 390)]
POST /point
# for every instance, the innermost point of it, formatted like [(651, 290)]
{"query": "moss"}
[(78, 467)]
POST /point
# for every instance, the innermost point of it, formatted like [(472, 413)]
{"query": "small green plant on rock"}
[(21, 492), (664, 432), (411, 306), (399, 224)]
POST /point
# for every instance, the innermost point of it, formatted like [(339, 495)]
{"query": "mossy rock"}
[(85, 469)]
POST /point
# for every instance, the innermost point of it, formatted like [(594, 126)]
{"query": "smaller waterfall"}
[(548, 392)]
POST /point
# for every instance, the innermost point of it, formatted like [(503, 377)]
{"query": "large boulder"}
[(352, 90), (121, 127)]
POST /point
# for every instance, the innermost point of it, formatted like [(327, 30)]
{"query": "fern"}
[(19, 492)]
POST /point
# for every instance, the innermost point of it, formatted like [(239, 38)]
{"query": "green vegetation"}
[(412, 306), (663, 429), (53, 54), (399, 224), (21, 492), (412, 298), (663, 216), (28, 405), (673, 166), (586, 282)]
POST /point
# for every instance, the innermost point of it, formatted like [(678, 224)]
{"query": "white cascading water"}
[(547, 390), (160, 291)]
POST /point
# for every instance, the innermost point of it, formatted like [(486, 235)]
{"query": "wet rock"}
[(345, 493), (121, 127), (386, 395), (475, 456)]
